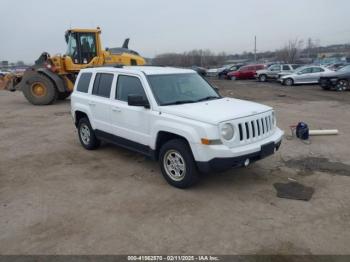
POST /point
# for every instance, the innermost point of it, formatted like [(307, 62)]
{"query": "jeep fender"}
[(84, 109), (187, 132)]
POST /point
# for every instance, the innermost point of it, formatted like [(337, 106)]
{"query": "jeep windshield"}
[(175, 89)]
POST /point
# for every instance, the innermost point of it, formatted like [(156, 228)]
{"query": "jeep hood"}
[(216, 111)]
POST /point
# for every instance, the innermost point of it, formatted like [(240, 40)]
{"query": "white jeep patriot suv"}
[(174, 116)]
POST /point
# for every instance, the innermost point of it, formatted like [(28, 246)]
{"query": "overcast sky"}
[(30, 27)]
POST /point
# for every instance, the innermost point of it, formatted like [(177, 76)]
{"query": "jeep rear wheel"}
[(177, 164), (87, 135)]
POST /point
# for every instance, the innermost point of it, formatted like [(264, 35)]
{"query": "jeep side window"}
[(102, 85), (84, 81), (286, 68), (129, 85)]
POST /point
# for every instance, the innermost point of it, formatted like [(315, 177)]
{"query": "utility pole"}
[(255, 49)]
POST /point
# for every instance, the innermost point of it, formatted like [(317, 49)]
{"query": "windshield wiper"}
[(208, 98), (179, 102)]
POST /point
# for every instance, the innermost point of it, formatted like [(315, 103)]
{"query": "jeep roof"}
[(148, 70)]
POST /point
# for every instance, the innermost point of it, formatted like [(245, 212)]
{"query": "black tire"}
[(262, 78), (288, 82), (342, 85), (93, 142), (221, 76), (49, 95), (189, 176), (233, 78), (63, 96)]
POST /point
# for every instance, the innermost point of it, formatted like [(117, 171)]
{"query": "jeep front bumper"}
[(239, 156)]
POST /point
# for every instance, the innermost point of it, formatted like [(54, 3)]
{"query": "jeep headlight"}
[(274, 119), (227, 131)]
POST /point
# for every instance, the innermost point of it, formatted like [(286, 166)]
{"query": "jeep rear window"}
[(180, 89), (84, 81), (102, 85)]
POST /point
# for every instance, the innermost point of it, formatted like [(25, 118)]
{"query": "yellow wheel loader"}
[(53, 77)]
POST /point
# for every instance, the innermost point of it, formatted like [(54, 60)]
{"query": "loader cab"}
[(81, 46)]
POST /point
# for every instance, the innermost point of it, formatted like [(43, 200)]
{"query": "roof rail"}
[(152, 65), (110, 65)]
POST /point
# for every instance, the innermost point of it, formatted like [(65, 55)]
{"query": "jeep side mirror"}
[(136, 100)]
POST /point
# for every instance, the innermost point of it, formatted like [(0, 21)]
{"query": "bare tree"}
[(203, 58), (290, 53)]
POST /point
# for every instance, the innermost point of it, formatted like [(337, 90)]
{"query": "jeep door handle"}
[(91, 104), (116, 109)]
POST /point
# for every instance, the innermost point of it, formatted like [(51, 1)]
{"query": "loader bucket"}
[(10, 81)]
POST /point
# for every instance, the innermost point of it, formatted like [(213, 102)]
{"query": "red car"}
[(245, 72)]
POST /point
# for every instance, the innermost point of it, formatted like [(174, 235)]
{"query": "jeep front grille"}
[(254, 128)]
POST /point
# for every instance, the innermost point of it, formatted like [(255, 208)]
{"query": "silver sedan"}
[(305, 75)]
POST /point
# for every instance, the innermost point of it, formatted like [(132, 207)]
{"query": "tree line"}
[(292, 52)]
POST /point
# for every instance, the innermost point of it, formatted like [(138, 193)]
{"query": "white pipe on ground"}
[(323, 132)]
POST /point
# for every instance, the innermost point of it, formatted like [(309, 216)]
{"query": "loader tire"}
[(39, 90), (62, 96)]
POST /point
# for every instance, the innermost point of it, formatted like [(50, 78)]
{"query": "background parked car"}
[(223, 73), (339, 80), (273, 71), (215, 71), (337, 66), (200, 70), (305, 75), (245, 72)]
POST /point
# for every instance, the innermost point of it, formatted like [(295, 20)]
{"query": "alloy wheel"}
[(85, 134), (174, 165)]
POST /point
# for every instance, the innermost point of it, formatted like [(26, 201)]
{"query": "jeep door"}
[(130, 122), (100, 101)]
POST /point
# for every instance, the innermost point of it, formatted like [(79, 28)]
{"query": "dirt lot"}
[(57, 198)]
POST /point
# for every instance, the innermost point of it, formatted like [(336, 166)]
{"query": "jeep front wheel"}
[(177, 164)]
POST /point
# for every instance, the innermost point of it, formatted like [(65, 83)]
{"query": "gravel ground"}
[(57, 198)]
